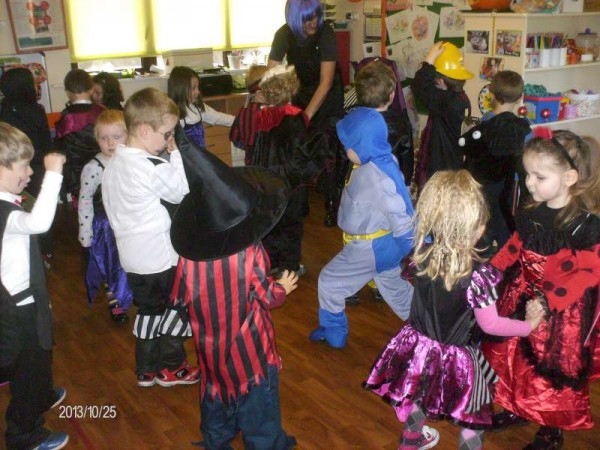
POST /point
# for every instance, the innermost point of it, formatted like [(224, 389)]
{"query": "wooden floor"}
[(323, 404)]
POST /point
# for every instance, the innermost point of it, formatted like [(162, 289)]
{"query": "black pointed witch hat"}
[(227, 208)]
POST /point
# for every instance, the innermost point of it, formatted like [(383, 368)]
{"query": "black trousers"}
[(31, 388), (151, 295), (284, 241)]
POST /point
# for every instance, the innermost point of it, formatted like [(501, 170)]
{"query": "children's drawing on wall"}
[(408, 56), (452, 23), (423, 2), (508, 43), (423, 26), (490, 67), (398, 5), (399, 26), (477, 41)]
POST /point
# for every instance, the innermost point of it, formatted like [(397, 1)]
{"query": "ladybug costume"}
[(544, 377)]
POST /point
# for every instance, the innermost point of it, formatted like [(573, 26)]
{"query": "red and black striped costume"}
[(228, 301)]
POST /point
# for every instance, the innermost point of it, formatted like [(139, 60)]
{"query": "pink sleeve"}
[(489, 321)]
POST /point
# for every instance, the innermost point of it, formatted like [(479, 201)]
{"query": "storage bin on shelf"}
[(586, 102), (535, 106)]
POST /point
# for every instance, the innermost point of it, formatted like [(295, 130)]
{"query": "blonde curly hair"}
[(279, 88), (452, 211)]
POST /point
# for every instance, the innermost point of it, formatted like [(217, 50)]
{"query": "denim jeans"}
[(257, 415)]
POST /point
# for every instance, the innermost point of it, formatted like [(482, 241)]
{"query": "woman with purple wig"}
[(310, 45)]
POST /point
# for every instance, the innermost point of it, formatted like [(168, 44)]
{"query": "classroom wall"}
[(57, 61)]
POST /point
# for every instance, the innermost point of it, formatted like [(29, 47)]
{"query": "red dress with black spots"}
[(544, 377)]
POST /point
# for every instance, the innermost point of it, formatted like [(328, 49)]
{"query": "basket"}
[(587, 104), (535, 106)]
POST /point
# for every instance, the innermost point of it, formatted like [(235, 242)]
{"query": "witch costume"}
[(223, 290)]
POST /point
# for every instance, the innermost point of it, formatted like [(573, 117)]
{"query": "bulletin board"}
[(412, 27)]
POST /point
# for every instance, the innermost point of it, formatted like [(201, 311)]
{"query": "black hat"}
[(227, 209)]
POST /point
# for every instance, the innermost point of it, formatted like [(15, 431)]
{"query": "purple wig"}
[(299, 11)]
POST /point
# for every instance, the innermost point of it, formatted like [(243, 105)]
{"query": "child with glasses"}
[(140, 190)]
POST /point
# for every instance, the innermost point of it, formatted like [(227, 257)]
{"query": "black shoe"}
[(546, 438), (506, 419), (352, 300), (330, 219)]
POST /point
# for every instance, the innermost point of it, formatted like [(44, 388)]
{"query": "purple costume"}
[(103, 263), (434, 361)]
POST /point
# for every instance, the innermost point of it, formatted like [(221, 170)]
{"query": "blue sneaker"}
[(54, 441), (60, 394)]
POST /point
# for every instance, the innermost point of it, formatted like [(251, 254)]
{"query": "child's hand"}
[(534, 312), (54, 162), (171, 144), (436, 50), (288, 280)]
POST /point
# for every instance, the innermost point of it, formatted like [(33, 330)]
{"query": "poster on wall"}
[(478, 41), (37, 25), (508, 42), (490, 67), (398, 5)]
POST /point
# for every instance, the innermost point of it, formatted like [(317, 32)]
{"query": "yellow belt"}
[(364, 237)]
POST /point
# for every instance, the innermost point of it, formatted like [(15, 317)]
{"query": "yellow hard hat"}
[(449, 63)]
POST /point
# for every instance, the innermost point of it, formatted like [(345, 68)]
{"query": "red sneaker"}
[(146, 379), (184, 374)]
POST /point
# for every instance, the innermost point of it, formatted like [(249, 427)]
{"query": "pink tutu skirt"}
[(446, 381)]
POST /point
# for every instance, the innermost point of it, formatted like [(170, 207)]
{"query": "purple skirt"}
[(446, 381), (104, 266)]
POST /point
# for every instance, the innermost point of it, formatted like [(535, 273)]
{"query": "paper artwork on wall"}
[(452, 23), (408, 56), (478, 41), (423, 26), (508, 42), (490, 67), (398, 26)]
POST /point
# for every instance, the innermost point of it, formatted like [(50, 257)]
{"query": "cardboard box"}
[(572, 6), (591, 5), (195, 58)]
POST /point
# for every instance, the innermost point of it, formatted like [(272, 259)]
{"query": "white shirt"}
[(91, 178), (132, 187), (210, 116), (14, 264)]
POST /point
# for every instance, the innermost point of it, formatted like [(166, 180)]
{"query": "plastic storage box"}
[(535, 106)]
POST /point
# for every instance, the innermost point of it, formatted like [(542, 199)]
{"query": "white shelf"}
[(559, 122), (530, 15), (567, 67)]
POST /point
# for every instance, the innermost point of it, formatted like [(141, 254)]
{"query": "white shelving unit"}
[(555, 79)]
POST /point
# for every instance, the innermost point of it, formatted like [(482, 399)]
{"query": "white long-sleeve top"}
[(91, 179), (132, 188), (15, 264), (210, 116)]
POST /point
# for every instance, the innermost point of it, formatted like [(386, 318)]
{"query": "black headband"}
[(565, 153)]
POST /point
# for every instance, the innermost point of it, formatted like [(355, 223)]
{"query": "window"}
[(115, 29), (120, 28)]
